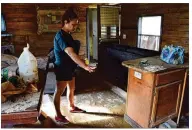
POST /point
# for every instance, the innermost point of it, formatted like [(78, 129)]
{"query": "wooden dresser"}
[(154, 91)]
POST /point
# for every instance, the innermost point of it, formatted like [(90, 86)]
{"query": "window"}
[(149, 32), (109, 22), (3, 25)]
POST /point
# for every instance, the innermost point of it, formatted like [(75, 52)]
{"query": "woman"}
[(66, 60)]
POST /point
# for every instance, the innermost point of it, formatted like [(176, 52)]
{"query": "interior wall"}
[(175, 22), (21, 21)]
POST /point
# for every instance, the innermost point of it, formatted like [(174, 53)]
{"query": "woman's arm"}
[(77, 60)]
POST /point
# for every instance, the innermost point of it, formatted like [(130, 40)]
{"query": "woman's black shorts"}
[(64, 73)]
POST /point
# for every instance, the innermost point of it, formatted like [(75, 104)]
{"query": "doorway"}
[(103, 25), (92, 35)]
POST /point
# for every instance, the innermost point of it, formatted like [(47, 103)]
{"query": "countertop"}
[(152, 64)]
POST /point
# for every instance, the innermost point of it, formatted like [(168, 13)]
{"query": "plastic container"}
[(28, 69), (6, 74), (86, 61)]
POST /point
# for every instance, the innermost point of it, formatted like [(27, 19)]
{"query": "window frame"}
[(161, 29)]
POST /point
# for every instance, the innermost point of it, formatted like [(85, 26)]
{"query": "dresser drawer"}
[(169, 76)]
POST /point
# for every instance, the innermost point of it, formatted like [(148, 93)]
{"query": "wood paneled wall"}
[(175, 22), (21, 21)]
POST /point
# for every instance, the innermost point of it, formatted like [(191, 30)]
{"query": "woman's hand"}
[(90, 68), (77, 60)]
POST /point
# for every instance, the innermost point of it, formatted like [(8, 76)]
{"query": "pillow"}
[(9, 59), (12, 68), (4, 64)]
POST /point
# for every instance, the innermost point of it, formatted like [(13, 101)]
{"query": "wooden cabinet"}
[(154, 91), (153, 98)]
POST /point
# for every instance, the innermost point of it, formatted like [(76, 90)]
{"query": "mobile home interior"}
[(122, 39)]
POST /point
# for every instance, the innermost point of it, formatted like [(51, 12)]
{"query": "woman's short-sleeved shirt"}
[(63, 40)]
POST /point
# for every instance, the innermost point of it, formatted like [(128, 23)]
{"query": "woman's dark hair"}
[(68, 16)]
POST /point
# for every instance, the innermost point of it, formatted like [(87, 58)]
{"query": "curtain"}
[(149, 42), (109, 22)]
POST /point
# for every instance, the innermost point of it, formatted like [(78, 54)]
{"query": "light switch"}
[(124, 36)]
